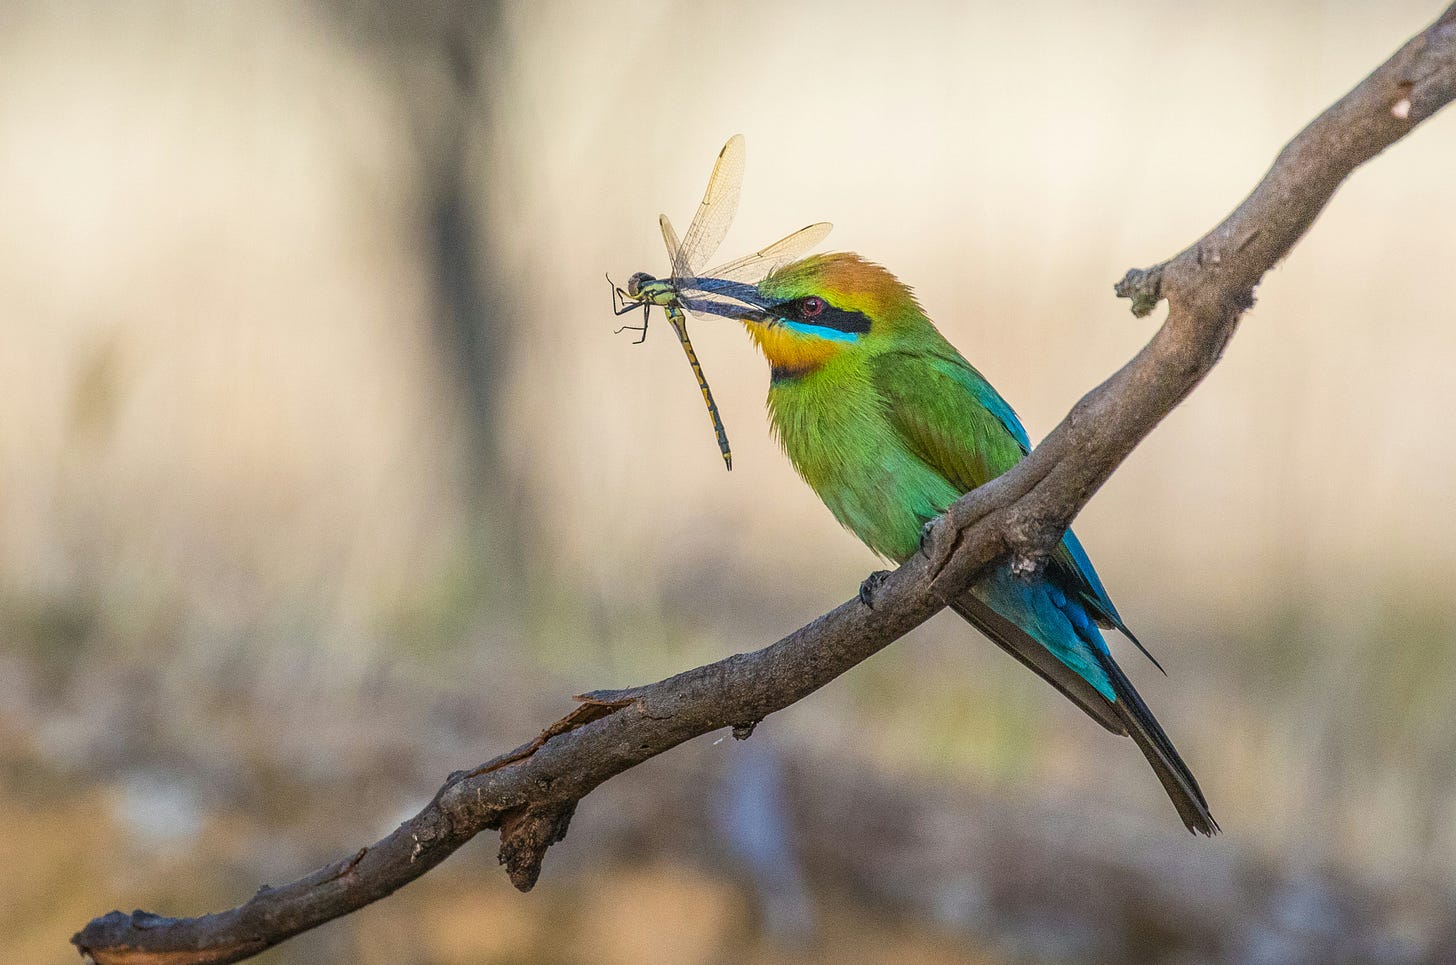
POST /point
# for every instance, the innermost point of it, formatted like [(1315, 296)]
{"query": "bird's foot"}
[(1028, 567), (925, 533), (870, 585)]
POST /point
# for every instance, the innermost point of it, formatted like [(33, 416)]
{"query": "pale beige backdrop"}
[(232, 487)]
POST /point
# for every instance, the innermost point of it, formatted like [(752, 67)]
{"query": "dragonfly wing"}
[(669, 238), (731, 291), (751, 268), (715, 212), (725, 299)]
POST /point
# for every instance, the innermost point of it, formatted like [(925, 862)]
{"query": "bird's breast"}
[(834, 428)]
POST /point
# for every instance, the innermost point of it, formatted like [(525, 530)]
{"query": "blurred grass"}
[(234, 482)]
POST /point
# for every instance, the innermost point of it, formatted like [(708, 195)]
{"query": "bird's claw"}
[(925, 536), (870, 584), (1027, 567)]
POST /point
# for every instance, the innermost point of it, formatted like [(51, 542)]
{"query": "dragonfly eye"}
[(635, 283), (811, 306)]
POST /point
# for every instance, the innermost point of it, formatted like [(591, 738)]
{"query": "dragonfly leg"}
[(622, 303), (646, 310), (616, 294)]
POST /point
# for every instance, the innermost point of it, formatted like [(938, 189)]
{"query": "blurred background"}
[(322, 474)]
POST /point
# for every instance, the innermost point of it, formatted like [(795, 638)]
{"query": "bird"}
[(889, 424)]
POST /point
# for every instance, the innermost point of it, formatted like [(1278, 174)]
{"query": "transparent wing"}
[(725, 299), (715, 212), (765, 261), (669, 238), (731, 290)]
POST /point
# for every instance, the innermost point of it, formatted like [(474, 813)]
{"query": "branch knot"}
[(526, 833), (1144, 286)]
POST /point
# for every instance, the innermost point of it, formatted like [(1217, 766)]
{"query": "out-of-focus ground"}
[(274, 559)]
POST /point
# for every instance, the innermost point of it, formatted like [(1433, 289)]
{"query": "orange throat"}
[(788, 351)]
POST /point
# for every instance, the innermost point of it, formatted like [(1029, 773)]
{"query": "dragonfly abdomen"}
[(679, 322)]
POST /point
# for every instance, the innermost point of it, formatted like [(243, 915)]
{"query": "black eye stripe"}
[(838, 319)]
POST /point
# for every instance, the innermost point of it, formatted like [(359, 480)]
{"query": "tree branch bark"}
[(529, 794)]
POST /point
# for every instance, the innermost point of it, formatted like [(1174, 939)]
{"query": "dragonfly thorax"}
[(654, 291)]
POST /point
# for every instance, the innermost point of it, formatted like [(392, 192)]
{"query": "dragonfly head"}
[(637, 282)]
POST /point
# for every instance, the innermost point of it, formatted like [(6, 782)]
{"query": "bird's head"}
[(826, 305)]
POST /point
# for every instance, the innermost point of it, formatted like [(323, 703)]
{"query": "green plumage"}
[(889, 424)]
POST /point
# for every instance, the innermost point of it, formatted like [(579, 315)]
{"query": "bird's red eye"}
[(811, 306)]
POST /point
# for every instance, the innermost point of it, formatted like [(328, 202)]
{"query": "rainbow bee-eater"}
[(889, 424)]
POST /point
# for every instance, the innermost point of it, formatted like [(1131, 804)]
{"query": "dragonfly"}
[(727, 290)]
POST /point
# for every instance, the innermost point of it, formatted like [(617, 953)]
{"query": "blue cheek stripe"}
[(821, 331)]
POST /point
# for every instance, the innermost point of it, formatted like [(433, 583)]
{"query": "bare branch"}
[(530, 793), (1208, 286)]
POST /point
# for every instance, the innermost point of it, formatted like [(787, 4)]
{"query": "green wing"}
[(949, 416), (953, 419)]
